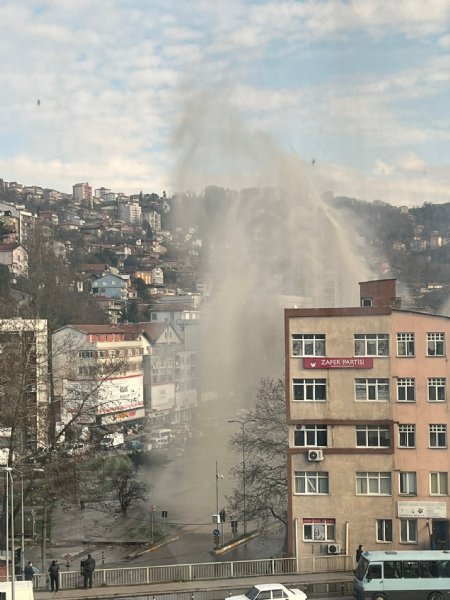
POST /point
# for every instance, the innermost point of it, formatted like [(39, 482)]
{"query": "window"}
[(323, 530), (373, 436), (405, 344), (406, 389), (436, 389), (308, 344), (372, 389), (86, 354), (314, 390), (393, 569), (438, 436), (366, 301), (373, 484), (408, 532), (371, 344), (439, 484), (435, 344), (311, 482), (310, 435), (384, 530), (406, 436), (410, 569), (408, 483)]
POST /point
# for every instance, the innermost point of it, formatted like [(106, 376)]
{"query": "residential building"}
[(15, 257), (178, 313), (82, 193), (157, 276), (98, 374), (130, 212), (162, 344), (111, 286), (154, 219), (27, 389), (368, 417)]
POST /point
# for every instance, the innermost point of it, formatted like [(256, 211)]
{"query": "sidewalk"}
[(223, 585), (107, 535)]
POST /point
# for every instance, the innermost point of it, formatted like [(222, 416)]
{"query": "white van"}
[(112, 440), (161, 438), (23, 590)]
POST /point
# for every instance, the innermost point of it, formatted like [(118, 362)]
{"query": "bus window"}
[(374, 571), (445, 568), (429, 568), (393, 569), (410, 569)]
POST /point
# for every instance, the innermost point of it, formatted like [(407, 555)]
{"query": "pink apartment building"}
[(368, 415)]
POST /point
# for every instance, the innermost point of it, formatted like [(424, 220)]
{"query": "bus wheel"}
[(435, 596), (379, 596)]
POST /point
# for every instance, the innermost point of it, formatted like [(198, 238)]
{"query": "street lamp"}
[(22, 517), (218, 476), (243, 424), (10, 505)]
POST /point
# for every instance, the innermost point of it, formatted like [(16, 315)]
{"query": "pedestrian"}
[(54, 576), (359, 552), (29, 571), (88, 569)]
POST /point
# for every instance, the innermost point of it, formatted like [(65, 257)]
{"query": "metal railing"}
[(202, 571)]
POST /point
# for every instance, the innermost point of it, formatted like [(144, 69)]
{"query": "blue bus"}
[(398, 575)]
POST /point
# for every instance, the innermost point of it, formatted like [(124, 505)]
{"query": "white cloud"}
[(412, 162), (113, 78), (382, 168)]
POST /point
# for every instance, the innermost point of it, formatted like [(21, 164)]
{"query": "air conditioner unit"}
[(334, 548), (299, 427), (315, 455)]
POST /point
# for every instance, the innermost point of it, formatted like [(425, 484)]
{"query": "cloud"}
[(382, 168), (412, 162), (113, 80)]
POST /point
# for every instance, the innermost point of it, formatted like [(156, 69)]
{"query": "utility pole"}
[(218, 476), (244, 507)]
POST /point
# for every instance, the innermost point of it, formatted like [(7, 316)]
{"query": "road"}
[(186, 489), (174, 597)]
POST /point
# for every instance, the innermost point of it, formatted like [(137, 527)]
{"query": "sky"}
[(356, 90)]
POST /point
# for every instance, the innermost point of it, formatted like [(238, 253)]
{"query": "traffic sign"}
[(216, 532)]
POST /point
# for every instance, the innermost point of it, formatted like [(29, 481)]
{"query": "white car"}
[(267, 591)]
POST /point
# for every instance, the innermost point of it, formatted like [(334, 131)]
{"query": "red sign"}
[(363, 362)]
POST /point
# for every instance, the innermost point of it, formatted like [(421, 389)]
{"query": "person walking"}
[(54, 576), (88, 569)]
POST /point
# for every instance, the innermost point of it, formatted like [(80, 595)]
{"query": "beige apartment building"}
[(368, 416)]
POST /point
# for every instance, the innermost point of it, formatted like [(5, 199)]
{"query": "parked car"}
[(161, 438), (76, 448), (112, 440), (270, 591)]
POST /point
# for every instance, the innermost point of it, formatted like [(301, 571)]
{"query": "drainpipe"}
[(296, 542), (347, 530)]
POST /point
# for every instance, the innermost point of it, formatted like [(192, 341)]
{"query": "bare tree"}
[(261, 477), (120, 472)]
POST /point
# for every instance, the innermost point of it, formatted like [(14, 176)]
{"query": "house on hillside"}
[(15, 257), (112, 286)]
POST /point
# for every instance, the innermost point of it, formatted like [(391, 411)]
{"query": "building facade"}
[(98, 374), (15, 257), (368, 418), (82, 193)]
